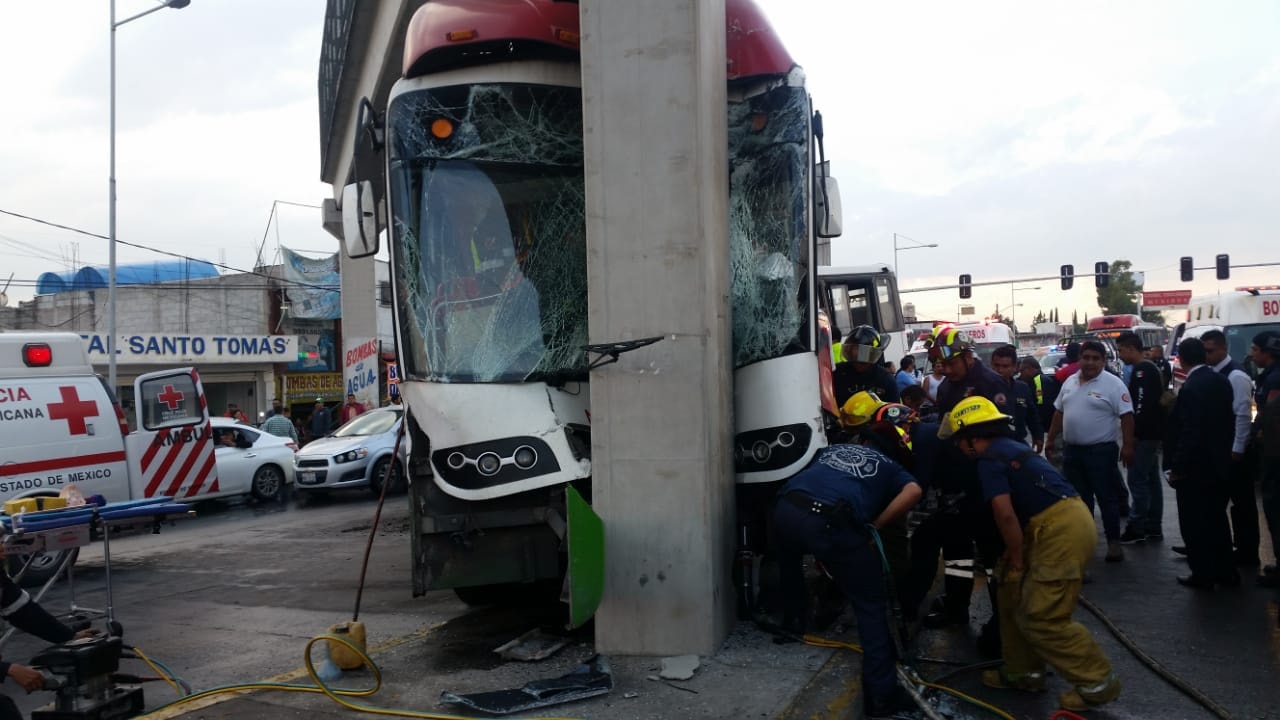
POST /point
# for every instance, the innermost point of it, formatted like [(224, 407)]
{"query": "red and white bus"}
[(1110, 326)]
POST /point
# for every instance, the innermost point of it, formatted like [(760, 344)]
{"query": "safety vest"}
[(1038, 384)]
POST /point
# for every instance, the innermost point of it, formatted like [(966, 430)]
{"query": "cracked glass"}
[(768, 224), (489, 229)]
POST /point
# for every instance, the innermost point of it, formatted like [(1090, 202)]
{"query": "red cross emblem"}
[(170, 397), (73, 410)]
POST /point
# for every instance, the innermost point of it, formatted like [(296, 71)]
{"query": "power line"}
[(224, 266)]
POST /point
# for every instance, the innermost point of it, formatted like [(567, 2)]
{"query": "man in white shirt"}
[(1094, 415), (1244, 469)]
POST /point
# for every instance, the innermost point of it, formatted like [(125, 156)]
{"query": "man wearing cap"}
[(276, 406), (321, 420), (1049, 538)]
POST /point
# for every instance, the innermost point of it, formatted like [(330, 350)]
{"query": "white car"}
[(251, 461)]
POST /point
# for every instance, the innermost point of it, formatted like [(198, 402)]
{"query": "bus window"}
[(890, 315), (840, 308), (859, 309)]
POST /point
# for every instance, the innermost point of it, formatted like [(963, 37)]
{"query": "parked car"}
[(358, 454), (251, 461)]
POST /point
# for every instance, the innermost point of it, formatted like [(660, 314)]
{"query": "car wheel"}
[(379, 474), (268, 483), (44, 566)]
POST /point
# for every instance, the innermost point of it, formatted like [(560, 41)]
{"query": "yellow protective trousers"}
[(1036, 605)]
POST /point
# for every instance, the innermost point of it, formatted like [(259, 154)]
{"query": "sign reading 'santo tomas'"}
[(166, 349)]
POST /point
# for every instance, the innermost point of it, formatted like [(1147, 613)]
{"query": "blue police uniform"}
[(848, 380), (1026, 418), (824, 511), (980, 380)]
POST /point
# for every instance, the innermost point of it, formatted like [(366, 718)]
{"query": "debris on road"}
[(588, 680), (680, 667), (531, 646)]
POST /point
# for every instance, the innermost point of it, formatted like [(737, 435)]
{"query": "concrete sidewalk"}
[(750, 676)]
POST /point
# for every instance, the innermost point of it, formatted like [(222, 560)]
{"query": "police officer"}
[(1049, 539), (1044, 389), (863, 349), (831, 510), (1026, 419)]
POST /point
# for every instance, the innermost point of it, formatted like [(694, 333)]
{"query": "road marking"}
[(382, 647)]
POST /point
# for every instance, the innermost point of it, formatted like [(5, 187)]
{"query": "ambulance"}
[(60, 426), (1240, 315), (986, 337)]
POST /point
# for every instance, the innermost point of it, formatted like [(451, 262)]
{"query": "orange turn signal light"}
[(568, 37), (441, 128), (460, 35)]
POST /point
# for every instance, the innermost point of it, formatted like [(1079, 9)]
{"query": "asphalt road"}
[(233, 594)]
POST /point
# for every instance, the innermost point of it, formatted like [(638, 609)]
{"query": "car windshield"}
[(370, 423)]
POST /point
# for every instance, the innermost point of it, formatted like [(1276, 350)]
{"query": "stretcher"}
[(64, 530)]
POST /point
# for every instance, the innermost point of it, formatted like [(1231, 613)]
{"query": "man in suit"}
[(1197, 452)]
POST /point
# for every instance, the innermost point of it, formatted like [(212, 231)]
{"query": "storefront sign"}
[(393, 380), (1165, 298), (306, 387), (360, 370), (164, 349)]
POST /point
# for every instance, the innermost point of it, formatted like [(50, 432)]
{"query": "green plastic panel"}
[(586, 559)]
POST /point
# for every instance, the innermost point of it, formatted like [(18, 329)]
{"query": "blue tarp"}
[(89, 278)]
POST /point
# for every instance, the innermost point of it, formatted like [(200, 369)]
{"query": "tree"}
[(1055, 315), (1040, 318), (1119, 297)]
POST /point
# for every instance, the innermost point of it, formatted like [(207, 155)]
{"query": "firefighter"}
[(862, 350), (1049, 538), (965, 376), (833, 509)]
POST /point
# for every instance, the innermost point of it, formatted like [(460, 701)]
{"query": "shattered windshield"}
[(768, 224), (490, 232)]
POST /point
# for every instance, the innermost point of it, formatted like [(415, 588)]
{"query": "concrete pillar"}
[(653, 77)]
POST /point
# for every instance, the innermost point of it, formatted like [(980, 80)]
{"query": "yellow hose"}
[(337, 695), (154, 668)]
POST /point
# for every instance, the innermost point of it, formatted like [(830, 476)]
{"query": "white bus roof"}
[(1245, 306), (828, 270)]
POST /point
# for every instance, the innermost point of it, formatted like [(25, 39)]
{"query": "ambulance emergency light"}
[(37, 355)]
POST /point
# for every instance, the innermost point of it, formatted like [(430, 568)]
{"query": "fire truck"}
[(482, 145)]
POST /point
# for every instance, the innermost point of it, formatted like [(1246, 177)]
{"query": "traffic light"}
[(1224, 266), (1101, 274), (1186, 268), (1068, 276), (966, 291)]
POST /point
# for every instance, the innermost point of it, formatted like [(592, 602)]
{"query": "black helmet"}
[(863, 344)]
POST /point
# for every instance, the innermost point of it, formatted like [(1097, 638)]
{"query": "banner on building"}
[(306, 387), (360, 369), (312, 286), (1165, 298)]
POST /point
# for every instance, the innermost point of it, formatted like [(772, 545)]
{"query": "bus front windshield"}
[(768, 224), (489, 239)]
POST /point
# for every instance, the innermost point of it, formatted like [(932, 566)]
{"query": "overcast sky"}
[(1018, 136)]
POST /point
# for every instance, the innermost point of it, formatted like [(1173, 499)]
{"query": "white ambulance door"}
[(171, 453)]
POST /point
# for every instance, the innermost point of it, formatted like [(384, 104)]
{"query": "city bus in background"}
[(1240, 315), (1110, 327), (865, 295), (481, 144)]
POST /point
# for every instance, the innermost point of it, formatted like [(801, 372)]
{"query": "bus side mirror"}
[(359, 219), (826, 205)]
